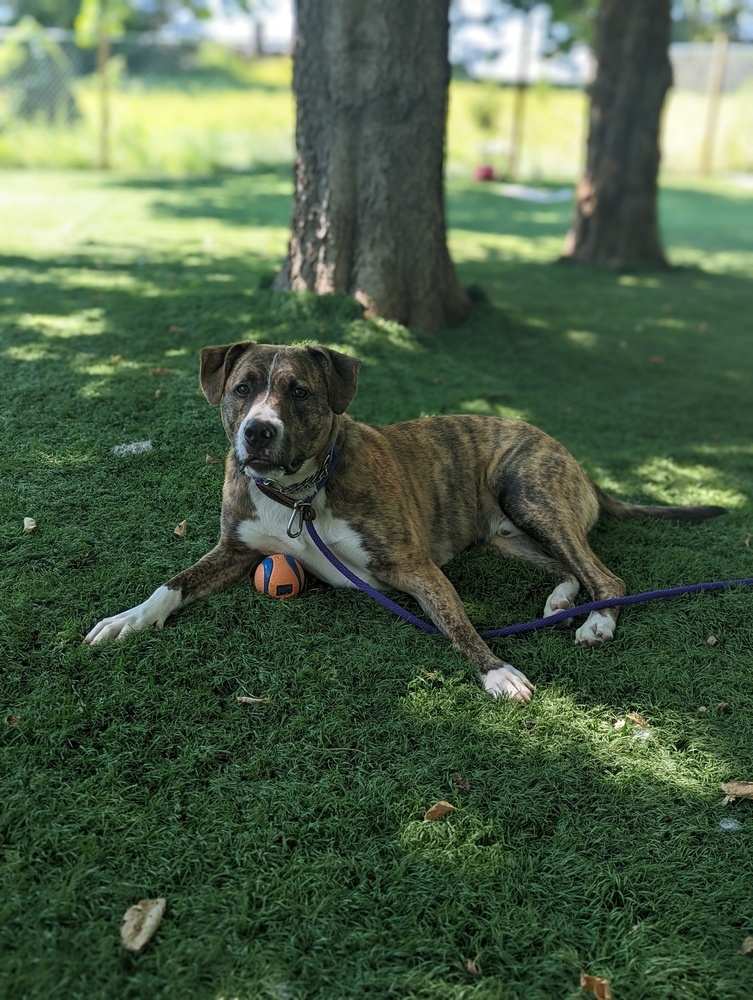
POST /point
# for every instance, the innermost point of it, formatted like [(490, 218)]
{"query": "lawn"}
[(288, 836)]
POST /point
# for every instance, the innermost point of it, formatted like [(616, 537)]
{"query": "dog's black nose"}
[(259, 434)]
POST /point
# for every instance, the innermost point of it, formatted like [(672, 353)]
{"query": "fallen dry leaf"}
[(472, 967), (712, 640), (723, 706), (175, 329), (431, 674), (462, 784), (12, 720), (29, 524), (637, 719), (736, 790), (747, 540), (116, 357), (620, 724), (181, 529), (246, 699), (211, 460), (747, 946), (439, 809), (657, 359), (160, 371), (157, 393), (140, 922), (599, 987)]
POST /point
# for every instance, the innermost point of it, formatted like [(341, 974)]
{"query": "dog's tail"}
[(627, 511)]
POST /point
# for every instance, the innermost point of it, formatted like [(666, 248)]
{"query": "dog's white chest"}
[(268, 534)]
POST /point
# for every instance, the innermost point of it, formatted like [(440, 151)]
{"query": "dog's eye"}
[(300, 393), (242, 390)]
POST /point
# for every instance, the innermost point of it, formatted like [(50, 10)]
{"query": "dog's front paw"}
[(154, 611), (597, 629), (507, 682)]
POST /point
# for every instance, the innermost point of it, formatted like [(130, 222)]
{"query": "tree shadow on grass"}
[(262, 197), (707, 221)]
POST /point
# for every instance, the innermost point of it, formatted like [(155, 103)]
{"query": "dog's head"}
[(279, 404)]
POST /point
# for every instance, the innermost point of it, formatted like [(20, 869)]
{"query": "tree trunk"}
[(615, 220), (368, 217)]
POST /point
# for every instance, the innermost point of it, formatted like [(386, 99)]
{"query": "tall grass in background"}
[(226, 113)]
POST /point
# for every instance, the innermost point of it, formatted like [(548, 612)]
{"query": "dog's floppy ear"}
[(342, 376), (216, 364)]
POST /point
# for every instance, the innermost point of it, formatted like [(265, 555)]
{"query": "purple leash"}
[(304, 515), (560, 616)]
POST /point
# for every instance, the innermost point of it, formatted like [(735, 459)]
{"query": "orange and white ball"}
[(279, 576)]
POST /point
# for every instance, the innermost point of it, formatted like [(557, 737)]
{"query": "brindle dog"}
[(402, 501)]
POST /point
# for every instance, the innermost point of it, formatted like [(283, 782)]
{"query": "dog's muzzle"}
[(260, 449), (258, 445)]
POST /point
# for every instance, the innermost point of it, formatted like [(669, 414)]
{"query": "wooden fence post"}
[(715, 88)]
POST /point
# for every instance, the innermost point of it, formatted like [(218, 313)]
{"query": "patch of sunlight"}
[(638, 281), (93, 389), (87, 277), (107, 368), (714, 450), (85, 323), (670, 323), (537, 323), (28, 353), (672, 483), (583, 338), (176, 352), (62, 459), (218, 277), (735, 376), (544, 218), (488, 408), (715, 262), (470, 245), (626, 754)]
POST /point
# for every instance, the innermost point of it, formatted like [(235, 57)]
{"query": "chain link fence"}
[(179, 105)]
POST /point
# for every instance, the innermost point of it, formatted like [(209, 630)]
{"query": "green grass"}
[(288, 837), (228, 114)]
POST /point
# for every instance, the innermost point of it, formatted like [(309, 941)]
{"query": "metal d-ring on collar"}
[(302, 510)]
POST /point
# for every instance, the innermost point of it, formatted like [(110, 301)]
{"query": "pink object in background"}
[(484, 173)]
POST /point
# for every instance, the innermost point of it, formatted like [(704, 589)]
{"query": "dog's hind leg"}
[(554, 504), (512, 542)]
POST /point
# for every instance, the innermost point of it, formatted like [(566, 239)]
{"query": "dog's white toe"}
[(507, 682), (597, 629)]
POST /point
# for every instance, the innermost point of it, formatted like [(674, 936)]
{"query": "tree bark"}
[(615, 220), (368, 219)]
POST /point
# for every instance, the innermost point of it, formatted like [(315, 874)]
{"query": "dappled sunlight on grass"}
[(65, 459), (582, 338), (488, 408), (672, 482), (638, 281), (467, 246)]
